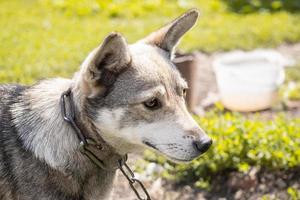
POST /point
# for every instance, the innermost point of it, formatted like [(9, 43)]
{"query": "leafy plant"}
[(239, 143), (293, 73), (294, 194), (291, 88), (294, 92)]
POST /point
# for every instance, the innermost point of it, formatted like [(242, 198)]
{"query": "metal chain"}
[(84, 143), (134, 182)]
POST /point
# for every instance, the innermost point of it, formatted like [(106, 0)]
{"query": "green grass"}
[(41, 39)]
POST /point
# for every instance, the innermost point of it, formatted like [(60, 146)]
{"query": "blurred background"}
[(242, 62)]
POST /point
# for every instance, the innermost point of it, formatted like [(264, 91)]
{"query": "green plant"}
[(294, 92), (248, 6), (291, 88), (294, 194), (239, 143), (293, 73)]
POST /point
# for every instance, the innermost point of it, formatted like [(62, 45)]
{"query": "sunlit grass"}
[(41, 39)]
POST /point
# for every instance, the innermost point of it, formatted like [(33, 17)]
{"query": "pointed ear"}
[(168, 36), (105, 63), (113, 54)]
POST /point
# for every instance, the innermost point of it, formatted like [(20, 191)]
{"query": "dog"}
[(131, 96)]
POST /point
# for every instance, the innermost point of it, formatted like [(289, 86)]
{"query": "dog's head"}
[(135, 95)]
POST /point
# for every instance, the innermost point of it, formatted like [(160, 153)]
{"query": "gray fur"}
[(39, 151)]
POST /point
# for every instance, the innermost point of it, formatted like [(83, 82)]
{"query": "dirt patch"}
[(229, 185)]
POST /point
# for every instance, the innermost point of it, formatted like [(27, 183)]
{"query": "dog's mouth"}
[(153, 146), (149, 144)]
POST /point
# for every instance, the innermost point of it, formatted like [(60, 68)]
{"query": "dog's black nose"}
[(202, 145)]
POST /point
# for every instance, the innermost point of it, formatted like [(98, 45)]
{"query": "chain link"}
[(132, 180)]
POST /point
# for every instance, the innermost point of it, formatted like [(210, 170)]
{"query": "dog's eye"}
[(152, 104)]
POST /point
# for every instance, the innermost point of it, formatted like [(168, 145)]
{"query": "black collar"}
[(100, 153)]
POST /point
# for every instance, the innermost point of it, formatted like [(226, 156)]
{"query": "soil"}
[(255, 185), (230, 185)]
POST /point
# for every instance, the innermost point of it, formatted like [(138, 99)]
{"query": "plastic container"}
[(249, 81), (187, 66)]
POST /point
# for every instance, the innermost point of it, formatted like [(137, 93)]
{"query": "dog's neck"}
[(38, 119)]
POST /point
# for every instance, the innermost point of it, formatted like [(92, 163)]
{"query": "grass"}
[(41, 39)]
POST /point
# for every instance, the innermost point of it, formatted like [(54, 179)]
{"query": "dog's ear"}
[(105, 63), (168, 36)]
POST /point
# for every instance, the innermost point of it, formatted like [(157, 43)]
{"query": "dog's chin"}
[(177, 160), (170, 157)]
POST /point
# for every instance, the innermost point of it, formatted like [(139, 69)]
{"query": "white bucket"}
[(248, 81)]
